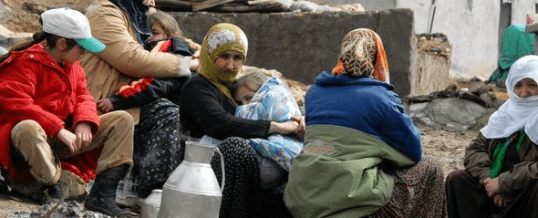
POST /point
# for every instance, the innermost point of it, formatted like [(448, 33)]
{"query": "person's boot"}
[(102, 197), (55, 194)]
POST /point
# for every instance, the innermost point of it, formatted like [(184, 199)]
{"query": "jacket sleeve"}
[(519, 177), (476, 159), (202, 106), (399, 131), (124, 53), (17, 89), (85, 108), (158, 88)]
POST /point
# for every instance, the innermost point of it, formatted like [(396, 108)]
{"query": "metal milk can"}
[(151, 205), (192, 190)]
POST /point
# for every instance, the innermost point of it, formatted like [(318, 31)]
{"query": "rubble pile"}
[(463, 105), (59, 210), (248, 6), (436, 44)]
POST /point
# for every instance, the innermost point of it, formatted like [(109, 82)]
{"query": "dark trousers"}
[(466, 197)]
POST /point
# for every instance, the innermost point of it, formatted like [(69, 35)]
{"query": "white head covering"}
[(516, 113)]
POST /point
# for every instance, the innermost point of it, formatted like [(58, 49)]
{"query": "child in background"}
[(263, 98), (166, 37)]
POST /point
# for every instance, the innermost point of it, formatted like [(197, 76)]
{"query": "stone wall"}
[(302, 44)]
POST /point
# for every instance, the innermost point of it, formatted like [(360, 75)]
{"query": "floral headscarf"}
[(220, 38), (362, 54)]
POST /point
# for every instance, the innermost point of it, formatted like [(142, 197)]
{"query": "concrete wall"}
[(301, 45), (473, 27)]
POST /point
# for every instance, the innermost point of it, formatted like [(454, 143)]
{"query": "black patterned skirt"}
[(157, 146), (243, 196)]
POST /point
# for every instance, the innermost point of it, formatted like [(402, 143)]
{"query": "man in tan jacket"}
[(122, 26), (124, 60)]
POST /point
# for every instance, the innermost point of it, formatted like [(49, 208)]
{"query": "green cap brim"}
[(91, 44)]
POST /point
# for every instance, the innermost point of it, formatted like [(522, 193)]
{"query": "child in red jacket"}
[(47, 115)]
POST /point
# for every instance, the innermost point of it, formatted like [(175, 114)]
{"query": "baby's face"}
[(243, 95)]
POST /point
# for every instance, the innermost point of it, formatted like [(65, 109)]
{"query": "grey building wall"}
[(301, 45), (473, 27)]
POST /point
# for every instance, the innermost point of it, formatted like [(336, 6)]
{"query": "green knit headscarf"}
[(221, 38)]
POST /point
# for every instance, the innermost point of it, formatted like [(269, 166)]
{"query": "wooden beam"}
[(208, 4), (173, 5), (260, 8)]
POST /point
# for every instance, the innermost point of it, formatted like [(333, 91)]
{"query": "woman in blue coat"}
[(362, 155)]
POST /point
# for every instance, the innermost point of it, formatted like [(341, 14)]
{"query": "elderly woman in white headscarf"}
[(501, 164)]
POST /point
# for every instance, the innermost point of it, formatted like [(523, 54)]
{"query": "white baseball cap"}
[(71, 24)]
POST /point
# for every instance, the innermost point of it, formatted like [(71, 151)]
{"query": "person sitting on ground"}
[(515, 43), (166, 37), (207, 108), (122, 25), (264, 98), (500, 173), (362, 155), (47, 114)]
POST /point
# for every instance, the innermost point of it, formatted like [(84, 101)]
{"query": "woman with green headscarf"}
[(207, 108), (515, 43)]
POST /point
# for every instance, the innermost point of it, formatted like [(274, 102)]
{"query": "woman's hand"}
[(301, 128), (498, 200), (149, 3), (68, 138), (195, 63), (284, 128), (83, 131), (491, 186), (105, 105)]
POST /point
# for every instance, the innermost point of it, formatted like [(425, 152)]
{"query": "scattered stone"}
[(465, 94), (35, 7), (418, 98), (60, 210)]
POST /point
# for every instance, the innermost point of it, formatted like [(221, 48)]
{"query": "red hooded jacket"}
[(34, 86)]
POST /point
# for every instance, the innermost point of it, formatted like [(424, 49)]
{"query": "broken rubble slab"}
[(9, 38), (452, 113), (455, 113)]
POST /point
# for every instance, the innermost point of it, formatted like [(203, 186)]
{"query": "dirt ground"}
[(447, 147), (23, 14)]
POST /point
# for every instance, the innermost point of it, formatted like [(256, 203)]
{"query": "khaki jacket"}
[(338, 173), (124, 60)]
